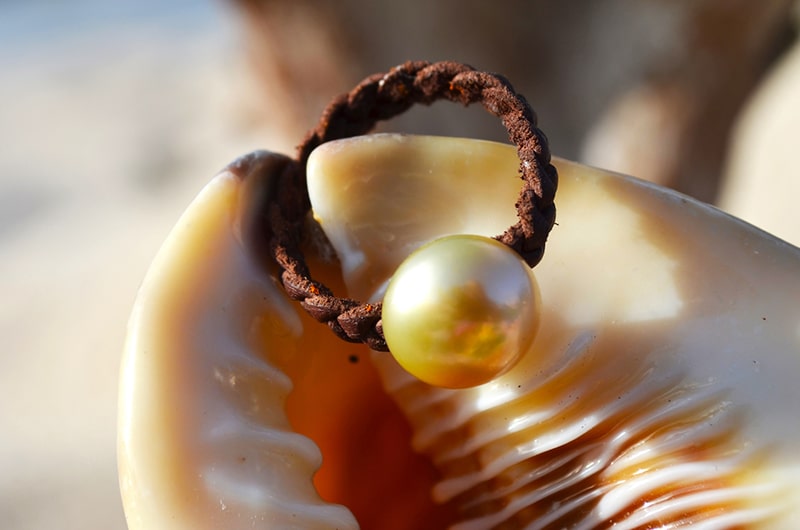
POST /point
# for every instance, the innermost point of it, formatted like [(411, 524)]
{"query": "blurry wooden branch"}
[(649, 88)]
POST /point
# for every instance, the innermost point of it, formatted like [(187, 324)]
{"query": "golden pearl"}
[(461, 311)]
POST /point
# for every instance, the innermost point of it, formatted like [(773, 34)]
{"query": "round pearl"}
[(460, 311)]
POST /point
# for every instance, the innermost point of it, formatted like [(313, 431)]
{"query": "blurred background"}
[(114, 115)]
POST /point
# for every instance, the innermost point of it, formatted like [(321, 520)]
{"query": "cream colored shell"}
[(660, 390)]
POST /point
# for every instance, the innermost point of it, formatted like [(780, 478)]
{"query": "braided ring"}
[(382, 97)]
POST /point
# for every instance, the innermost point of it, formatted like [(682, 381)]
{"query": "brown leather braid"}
[(381, 97)]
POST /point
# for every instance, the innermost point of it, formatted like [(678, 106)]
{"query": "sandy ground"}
[(107, 132)]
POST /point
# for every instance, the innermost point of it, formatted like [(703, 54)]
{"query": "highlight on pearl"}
[(460, 311)]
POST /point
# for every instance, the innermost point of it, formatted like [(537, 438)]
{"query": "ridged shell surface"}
[(661, 390)]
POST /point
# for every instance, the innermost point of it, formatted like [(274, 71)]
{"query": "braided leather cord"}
[(382, 97)]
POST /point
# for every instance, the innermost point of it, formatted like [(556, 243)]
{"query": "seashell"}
[(659, 392)]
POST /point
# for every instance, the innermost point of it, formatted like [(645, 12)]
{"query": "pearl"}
[(461, 311)]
